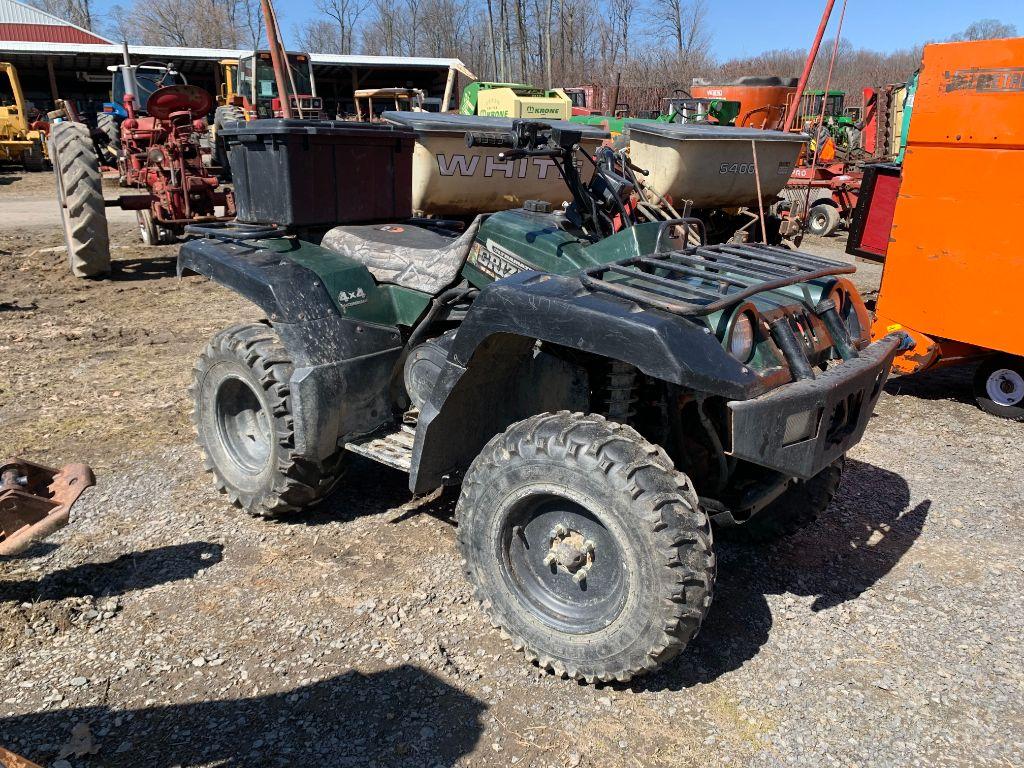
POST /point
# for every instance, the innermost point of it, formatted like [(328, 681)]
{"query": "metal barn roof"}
[(25, 23), (169, 53)]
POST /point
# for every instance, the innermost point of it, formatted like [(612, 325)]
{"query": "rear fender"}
[(342, 365)]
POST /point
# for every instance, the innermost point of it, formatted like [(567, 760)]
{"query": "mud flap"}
[(35, 501)]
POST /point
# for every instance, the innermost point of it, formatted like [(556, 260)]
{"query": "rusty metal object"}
[(11, 760), (35, 500)]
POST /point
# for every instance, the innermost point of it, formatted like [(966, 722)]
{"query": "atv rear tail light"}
[(801, 426)]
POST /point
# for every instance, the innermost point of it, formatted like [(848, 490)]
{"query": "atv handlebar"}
[(476, 139)]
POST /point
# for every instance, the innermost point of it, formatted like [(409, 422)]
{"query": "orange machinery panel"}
[(955, 264)]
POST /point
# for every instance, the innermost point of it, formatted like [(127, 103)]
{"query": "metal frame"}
[(727, 274)]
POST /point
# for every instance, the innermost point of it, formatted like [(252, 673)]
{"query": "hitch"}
[(35, 500)]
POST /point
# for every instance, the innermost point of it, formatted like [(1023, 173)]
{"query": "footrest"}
[(393, 449)]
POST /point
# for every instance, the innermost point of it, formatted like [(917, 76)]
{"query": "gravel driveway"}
[(167, 629)]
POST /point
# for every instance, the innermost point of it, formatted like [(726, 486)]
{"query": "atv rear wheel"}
[(794, 510), (80, 193), (242, 414), (822, 219), (586, 546)]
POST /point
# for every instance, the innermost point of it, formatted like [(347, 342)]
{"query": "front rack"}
[(706, 278)]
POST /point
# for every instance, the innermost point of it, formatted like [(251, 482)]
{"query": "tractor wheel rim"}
[(243, 424), (1005, 387), (562, 563)]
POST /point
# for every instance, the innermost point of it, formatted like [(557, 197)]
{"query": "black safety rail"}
[(707, 278)]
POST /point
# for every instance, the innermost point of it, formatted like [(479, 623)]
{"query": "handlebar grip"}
[(476, 139)]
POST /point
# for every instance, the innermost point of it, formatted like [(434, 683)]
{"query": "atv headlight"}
[(741, 336)]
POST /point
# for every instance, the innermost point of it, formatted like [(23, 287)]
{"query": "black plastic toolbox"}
[(319, 173)]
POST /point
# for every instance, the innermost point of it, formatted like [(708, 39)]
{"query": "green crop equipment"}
[(515, 100)]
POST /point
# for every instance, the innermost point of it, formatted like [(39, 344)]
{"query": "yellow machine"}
[(228, 81), (21, 141)]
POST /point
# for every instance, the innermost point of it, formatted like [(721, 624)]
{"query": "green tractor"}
[(841, 122), (602, 392)]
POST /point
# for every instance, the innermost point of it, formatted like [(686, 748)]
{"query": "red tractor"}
[(161, 152), (158, 149)]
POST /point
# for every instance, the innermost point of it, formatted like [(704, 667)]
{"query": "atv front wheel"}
[(80, 194), (794, 510), (586, 546), (242, 414)]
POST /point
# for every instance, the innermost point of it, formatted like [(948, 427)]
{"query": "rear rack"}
[(706, 278)]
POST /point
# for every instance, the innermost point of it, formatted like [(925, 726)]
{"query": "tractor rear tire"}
[(107, 125), (999, 387), (243, 414), (80, 193), (822, 219), (794, 510), (585, 546), (221, 116)]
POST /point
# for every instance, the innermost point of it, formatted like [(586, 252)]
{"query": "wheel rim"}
[(1005, 387), (145, 228), (818, 222), (563, 563), (243, 425)]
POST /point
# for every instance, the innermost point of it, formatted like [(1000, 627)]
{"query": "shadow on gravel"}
[(954, 383), (856, 542), (397, 717), (6, 178), (138, 570), (132, 270), (369, 488)]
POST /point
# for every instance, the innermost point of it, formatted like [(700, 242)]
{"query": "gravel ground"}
[(164, 628)]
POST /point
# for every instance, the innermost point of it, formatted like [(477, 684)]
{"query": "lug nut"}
[(549, 559), (580, 575), (589, 547), (561, 530)]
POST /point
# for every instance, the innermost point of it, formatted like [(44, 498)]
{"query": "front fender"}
[(491, 379)]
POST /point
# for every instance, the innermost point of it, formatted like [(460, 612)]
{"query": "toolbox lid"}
[(707, 131), (333, 128), (433, 122)]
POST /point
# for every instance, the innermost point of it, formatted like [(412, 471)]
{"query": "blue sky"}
[(744, 27)]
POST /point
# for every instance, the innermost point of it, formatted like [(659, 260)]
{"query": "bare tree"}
[(78, 12), (345, 14), (986, 29)]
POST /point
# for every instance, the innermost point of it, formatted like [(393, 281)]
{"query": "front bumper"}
[(802, 427)]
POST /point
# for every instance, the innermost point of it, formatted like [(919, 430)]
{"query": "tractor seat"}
[(409, 255)]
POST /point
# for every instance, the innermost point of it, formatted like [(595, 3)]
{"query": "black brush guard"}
[(703, 279)]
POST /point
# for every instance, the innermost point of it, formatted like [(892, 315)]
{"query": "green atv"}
[(603, 390)]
